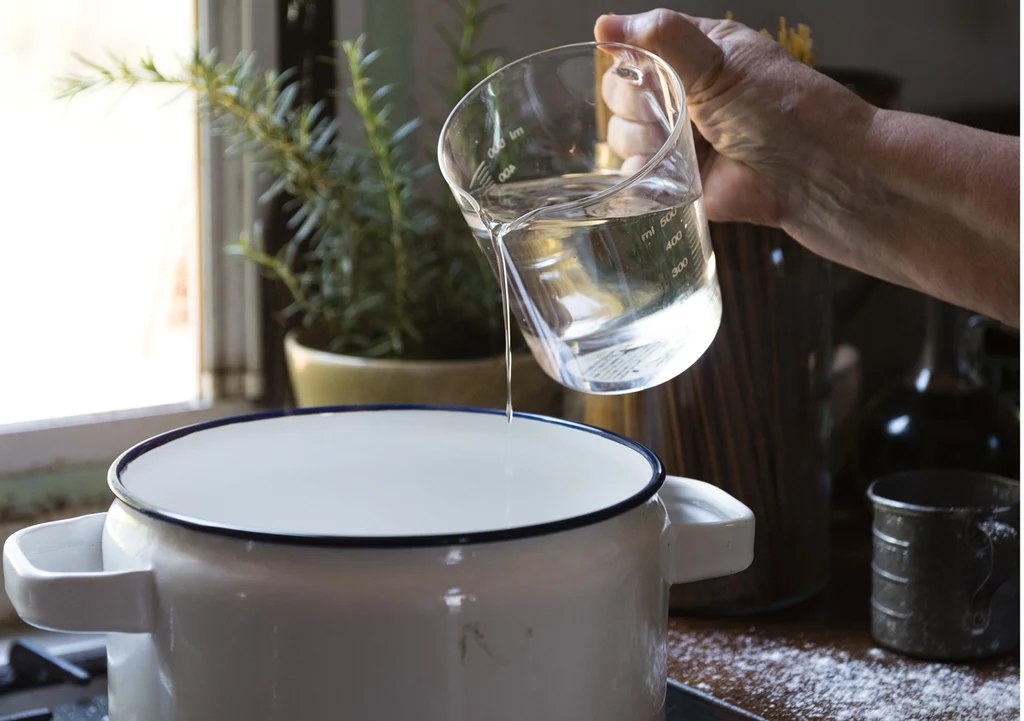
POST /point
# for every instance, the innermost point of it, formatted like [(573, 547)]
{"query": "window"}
[(121, 315), (104, 242)]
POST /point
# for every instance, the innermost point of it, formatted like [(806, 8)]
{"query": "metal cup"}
[(946, 569)]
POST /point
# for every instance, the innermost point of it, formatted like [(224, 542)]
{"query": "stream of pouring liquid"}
[(506, 315)]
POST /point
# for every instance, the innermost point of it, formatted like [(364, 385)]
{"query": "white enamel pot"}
[(381, 564)]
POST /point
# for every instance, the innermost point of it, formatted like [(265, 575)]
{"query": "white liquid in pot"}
[(385, 473)]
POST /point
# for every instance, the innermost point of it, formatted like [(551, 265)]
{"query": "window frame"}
[(228, 304)]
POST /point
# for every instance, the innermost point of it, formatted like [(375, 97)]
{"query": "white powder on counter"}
[(997, 530), (818, 682)]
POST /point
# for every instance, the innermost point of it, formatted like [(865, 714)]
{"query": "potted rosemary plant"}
[(391, 299)]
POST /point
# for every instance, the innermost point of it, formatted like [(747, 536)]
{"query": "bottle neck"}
[(940, 356)]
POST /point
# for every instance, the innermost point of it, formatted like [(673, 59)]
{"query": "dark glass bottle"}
[(941, 416)]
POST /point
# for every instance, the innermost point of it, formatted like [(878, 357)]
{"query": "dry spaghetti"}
[(797, 41)]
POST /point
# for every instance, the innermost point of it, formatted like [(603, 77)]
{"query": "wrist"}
[(834, 186)]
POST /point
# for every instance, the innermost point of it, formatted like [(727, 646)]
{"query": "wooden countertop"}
[(818, 662)]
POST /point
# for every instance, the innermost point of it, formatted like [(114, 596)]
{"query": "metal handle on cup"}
[(1000, 541)]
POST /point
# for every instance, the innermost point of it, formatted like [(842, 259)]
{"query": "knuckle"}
[(663, 28)]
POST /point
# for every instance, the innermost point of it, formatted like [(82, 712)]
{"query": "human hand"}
[(770, 128), (917, 201)]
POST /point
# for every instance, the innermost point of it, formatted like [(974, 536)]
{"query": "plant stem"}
[(379, 141), (465, 79), (464, 58), (278, 270)]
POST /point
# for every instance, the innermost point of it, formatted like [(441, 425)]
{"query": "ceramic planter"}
[(320, 378)]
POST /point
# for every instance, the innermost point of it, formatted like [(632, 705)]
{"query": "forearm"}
[(923, 203)]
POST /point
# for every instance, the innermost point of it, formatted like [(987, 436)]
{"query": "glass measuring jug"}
[(606, 261)]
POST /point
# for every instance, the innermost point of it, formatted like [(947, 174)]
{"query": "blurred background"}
[(188, 238), (122, 314)]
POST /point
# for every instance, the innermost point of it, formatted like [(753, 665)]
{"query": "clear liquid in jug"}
[(613, 296)]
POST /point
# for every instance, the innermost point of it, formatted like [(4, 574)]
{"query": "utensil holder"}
[(752, 416)]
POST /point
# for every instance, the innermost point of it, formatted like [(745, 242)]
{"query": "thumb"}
[(678, 39)]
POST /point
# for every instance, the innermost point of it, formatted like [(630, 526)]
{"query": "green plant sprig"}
[(470, 67), (373, 267), (382, 144)]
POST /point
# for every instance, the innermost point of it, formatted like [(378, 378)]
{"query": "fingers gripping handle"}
[(54, 578), (711, 534)]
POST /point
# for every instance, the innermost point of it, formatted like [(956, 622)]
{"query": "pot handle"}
[(54, 578), (711, 534)]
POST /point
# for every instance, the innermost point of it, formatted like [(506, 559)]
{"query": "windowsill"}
[(43, 449), (35, 496), (57, 471)]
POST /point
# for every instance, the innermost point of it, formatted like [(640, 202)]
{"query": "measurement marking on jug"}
[(673, 240), (647, 234), (667, 217), (482, 168), (481, 179), (495, 149), (680, 267)]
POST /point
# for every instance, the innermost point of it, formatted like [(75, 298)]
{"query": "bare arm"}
[(917, 201), (926, 204)]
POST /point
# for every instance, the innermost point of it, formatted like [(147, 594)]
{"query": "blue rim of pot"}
[(122, 494)]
